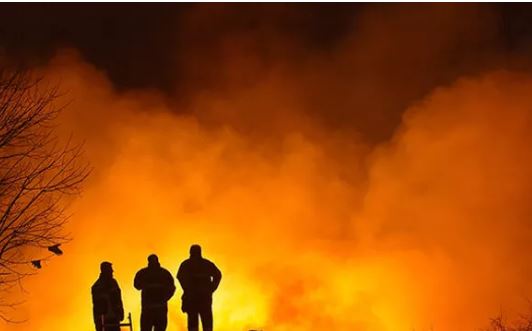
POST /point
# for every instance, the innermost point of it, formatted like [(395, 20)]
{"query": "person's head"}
[(106, 269), (195, 251), (153, 261)]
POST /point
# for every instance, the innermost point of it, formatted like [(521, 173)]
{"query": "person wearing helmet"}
[(107, 305), (199, 278), (157, 286)]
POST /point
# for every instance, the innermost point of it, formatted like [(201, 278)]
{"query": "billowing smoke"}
[(333, 193)]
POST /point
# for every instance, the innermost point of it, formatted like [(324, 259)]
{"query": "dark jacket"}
[(107, 298), (157, 286), (199, 278)]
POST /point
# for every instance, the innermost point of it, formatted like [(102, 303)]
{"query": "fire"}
[(312, 227)]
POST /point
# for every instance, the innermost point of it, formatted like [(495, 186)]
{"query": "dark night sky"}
[(147, 37), (151, 45)]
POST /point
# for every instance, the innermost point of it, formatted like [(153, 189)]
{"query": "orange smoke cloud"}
[(454, 184), (437, 235), (314, 228)]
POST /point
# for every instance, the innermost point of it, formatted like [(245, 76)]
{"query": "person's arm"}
[(216, 277), (97, 297), (119, 303), (181, 276), (93, 295), (139, 281), (170, 287)]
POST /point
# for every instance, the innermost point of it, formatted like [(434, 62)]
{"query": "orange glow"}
[(313, 228)]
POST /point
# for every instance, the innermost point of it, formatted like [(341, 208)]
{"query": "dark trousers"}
[(100, 327), (154, 319), (205, 313)]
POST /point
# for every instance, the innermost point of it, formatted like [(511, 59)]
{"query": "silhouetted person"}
[(107, 299), (157, 286), (199, 278)]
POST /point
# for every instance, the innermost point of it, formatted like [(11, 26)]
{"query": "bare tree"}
[(37, 173)]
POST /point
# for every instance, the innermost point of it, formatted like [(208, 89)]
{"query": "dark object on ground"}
[(111, 326)]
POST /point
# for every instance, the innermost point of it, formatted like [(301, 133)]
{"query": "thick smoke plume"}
[(316, 224)]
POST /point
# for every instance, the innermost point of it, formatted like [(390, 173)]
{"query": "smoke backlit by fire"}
[(313, 228)]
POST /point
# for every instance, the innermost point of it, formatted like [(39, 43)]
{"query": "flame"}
[(313, 228)]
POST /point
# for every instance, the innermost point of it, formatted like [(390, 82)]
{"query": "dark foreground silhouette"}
[(199, 278), (157, 286), (107, 305)]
